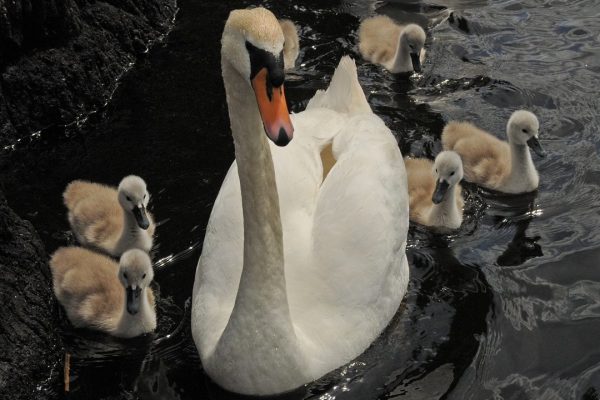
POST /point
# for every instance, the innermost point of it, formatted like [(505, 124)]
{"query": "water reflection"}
[(506, 307), (518, 212)]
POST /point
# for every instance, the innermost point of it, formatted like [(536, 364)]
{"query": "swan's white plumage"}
[(345, 275)]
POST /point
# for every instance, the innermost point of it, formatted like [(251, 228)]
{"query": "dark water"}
[(508, 307)]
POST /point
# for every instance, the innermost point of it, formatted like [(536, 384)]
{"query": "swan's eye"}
[(125, 275), (411, 46), (128, 198)]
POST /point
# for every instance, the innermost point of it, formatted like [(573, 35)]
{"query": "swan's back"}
[(378, 39), (486, 159)]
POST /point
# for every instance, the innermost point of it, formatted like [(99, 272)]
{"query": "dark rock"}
[(60, 59), (31, 359)]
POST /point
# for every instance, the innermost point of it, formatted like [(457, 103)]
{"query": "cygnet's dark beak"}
[(416, 62), (535, 145), (441, 187), (141, 218), (133, 299)]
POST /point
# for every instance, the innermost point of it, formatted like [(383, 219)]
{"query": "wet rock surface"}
[(30, 363), (60, 59)]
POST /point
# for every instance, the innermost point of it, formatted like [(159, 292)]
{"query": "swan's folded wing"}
[(359, 234)]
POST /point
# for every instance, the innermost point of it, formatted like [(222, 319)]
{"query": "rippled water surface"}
[(508, 307)]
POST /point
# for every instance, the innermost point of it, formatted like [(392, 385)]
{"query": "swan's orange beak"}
[(273, 109)]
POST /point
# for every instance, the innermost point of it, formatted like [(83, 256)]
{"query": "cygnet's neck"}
[(523, 176), (447, 212), (402, 61), (129, 235), (135, 324)]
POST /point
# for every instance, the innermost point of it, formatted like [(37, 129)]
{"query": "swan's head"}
[(134, 197), (252, 44), (135, 274), (448, 171), (523, 129), (413, 39)]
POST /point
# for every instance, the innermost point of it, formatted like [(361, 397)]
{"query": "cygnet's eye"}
[(451, 173), (525, 130), (128, 198), (436, 171), (145, 195), (144, 276), (411, 46), (125, 275)]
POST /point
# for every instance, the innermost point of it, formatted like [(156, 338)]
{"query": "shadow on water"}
[(508, 306)]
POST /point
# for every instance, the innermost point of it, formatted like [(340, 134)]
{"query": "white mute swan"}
[(434, 190), (100, 294), (298, 274), (397, 48), (493, 163), (110, 220)]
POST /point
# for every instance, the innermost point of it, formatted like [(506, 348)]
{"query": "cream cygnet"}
[(398, 48), (98, 293), (493, 163), (108, 219), (435, 193)]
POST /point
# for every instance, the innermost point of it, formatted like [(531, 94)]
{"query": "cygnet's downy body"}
[(398, 48), (291, 46), (97, 293), (108, 219), (434, 190), (493, 163)]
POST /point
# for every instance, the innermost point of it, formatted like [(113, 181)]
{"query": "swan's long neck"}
[(447, 212), (523, 175), (261, 311)]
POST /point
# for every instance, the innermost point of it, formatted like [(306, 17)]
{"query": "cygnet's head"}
[(523, 129), (413, 39), (252, 47), (135, 274), (448, 171), (134, 197)]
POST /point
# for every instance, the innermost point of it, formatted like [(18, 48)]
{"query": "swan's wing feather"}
[(358, 238)]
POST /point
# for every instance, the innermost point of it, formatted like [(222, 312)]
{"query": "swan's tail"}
[(344, 94)]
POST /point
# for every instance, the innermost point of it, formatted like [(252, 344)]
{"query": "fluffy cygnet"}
[(395, 47), (493, 163), (434, 190), (98, 293), (111, 220), (291, 46)]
